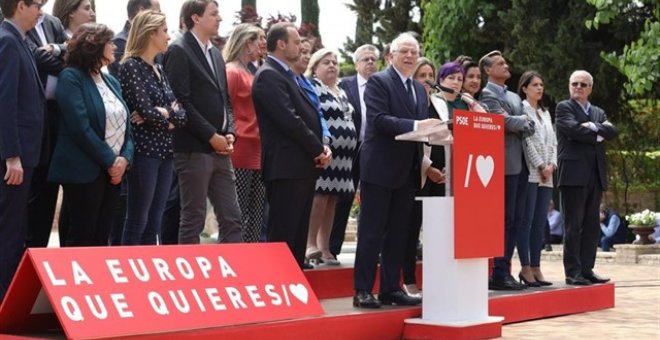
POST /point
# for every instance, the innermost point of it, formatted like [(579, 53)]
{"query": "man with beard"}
[(291, 139)]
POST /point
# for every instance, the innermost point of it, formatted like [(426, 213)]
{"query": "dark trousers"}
[(92, 208), (580, 208), (13, 206), (169, 231), (41, 208), (384, 224), (535, 217), (43, 194), (149, 182), (343, 208), (515, 196), (289, 206), (117, 230)]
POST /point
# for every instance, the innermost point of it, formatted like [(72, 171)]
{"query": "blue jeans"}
[(515, 196), (149, 182), (530, 235)]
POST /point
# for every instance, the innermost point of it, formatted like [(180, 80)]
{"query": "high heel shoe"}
[(528, 283), (542, 282)]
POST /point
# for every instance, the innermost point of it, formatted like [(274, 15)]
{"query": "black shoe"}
[(399, 298), (543, 283), (364, 299), (593, 278), (578, 281), (548, 247), (524, 281), (306, 265), (506, 283)]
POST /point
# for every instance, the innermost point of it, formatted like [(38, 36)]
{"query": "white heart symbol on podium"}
[(485, 169), (300, 292)]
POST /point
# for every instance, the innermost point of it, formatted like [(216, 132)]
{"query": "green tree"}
[(309, 10), (639, 59), (252, 3), (366, 12)]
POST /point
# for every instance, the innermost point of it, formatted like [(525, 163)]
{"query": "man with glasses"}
[(389, 175), (365, 59), (581, 130), (516, 126), (21, 126)]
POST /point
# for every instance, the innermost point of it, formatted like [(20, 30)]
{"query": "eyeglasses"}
[(579, 84), (407, 51), (368, 59)]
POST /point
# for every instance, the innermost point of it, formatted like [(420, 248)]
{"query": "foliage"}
[(248, 14), (639, 59), (380, 21), (309, 10)]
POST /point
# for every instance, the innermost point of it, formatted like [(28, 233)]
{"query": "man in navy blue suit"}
[(365, 58), (389, 175), (21, 128)]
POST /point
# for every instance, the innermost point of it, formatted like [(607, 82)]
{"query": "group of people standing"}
[(270, 134)]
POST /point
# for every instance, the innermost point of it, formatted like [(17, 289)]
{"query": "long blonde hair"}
[(241, 35), (145, 23)]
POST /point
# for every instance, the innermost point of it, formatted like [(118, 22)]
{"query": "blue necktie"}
[(409, 89)]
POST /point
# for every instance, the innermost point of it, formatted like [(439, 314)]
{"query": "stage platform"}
[(341, 321)]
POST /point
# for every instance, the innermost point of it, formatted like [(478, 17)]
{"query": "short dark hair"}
[(192, 7), (134, 7), (8, 7), (87, 46), (279, 31)]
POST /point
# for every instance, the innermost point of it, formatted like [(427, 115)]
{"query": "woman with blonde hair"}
[(336, 179), (73, 13), (240, 51), (155, 114)]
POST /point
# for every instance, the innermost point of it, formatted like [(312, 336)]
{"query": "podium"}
[(461, 232)]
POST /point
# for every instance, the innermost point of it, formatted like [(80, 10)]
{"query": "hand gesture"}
[(14, 174)]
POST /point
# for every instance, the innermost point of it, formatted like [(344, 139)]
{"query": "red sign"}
[(478, 182), (120, 291)]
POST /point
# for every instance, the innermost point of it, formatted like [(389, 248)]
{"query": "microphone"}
[(439, 87)]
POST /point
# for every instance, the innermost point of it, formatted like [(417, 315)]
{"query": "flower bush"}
[(644, 218)]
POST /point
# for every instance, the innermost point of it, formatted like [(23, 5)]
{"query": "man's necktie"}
[(409, 89)]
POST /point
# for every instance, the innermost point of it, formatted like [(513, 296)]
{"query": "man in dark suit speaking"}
[(389, 175), (581, 130), (21, 128), (291, 141)]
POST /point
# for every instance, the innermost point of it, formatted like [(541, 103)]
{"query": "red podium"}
[(461, 233)]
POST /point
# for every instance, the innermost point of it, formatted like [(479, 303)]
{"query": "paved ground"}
[(637, 304)]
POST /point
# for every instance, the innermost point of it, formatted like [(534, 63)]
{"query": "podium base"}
[(489, 328)]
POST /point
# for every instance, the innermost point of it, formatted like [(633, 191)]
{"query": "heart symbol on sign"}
[(485, 169), (300, 292)]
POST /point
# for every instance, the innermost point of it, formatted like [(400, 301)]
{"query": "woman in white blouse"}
[(94, 143), (541, 158)]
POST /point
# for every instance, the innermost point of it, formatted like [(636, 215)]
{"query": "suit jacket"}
[(289, 125), (516, 125), (390, 112), (350, 86), (81, 152), (201, 92), (578, 149), (120, 41), (48, 63), (22, 99), (539, 151)]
